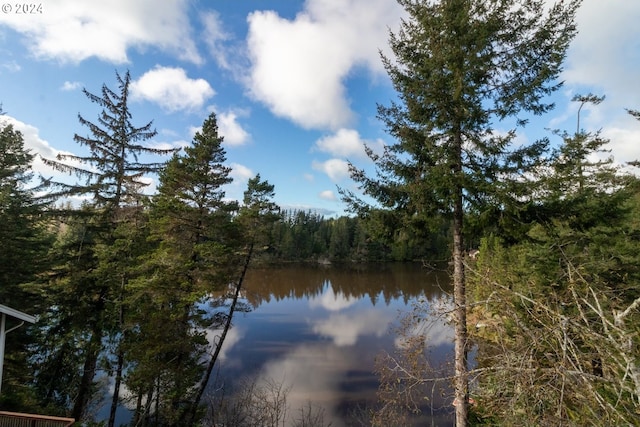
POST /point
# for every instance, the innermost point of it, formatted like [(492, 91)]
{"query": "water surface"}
[(318, 331)]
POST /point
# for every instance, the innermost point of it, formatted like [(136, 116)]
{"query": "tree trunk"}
[(225, 330), (146, 415), (461, 400), (460, 316), (88, 372), (138, 412), (116, 389), (120, 362), (59, 366)]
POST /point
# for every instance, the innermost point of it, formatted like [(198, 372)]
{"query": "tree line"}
[(300, 235)]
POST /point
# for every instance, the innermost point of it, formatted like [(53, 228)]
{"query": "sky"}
[(294, 84)]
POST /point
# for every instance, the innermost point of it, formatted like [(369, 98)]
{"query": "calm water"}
[(318, 330)]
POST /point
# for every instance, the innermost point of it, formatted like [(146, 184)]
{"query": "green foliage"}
[(25, 238), (258, 212), (125, 293), (558, 308), (70, 303), (190, 217), (86, 287), (553, 348), (22, 222), (112, 171), (461, 67), (307, 236), (195, 250)]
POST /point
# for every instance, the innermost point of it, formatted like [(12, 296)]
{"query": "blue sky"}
[(294, 83)]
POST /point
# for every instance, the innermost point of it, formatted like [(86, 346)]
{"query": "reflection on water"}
[(319, 330)]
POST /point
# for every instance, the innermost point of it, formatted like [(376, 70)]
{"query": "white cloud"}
[(11, 66), (604, 59), (624, 143), (214, 35), (240, 173), (343, 143), (72, 31), (299, 67), (347, 143), (34, 143), (336, 169), (172, 89), (328, 195), (70, 86), (606, 51), (331, 301), (232, 131), (346, 329)]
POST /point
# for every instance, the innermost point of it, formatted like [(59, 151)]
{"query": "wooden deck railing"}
[(16, 419)]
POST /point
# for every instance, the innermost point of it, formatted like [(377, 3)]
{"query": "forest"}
[(549, 301), (305, 236)]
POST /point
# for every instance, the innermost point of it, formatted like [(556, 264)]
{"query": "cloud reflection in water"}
[(319, 332)]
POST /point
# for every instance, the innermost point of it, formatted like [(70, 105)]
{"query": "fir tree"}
[(112, 177), (112, 170), (548, 349), (195, 255), (25, 238), (460, 68), (256, 214), (21, 217)]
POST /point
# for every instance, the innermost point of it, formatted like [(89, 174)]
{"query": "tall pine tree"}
[(112, 170), (461, 68), (112, 178), (25, 238), (195, 255)]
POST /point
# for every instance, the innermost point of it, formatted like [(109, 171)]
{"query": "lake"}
[(318, 330)]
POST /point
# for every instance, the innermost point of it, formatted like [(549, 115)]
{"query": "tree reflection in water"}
[(318, 331)]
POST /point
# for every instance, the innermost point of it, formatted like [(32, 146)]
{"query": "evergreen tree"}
[(71, 311), (21, 218), (258, 213), (577, 164), (112, 170), (340, 243), (460, 68), (25, 239), (191, 216), (547, 299), (255, 217), (111, 176), (195, 256)]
